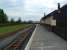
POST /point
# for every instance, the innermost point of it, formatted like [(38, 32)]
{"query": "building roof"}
[(51, 14), (63, 10)]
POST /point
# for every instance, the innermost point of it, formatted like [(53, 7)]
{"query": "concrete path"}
[(45, 40)]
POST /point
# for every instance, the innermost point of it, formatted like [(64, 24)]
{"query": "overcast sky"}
[(29, 9)]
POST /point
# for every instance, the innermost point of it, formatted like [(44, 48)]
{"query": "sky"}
[(29, 9)]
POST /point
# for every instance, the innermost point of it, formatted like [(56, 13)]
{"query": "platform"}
[(45, 40)]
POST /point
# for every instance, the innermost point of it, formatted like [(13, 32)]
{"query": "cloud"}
[(29, 9)]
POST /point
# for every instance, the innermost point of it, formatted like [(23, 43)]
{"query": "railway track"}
[(21, 41)]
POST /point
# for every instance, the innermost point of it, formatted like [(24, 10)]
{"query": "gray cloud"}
[(29, 9)]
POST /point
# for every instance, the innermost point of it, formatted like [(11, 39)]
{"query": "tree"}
[(30, 21), (3, 16), (19, 20), (12, 20)]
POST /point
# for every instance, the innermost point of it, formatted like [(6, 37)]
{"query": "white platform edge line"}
[(31, 39)]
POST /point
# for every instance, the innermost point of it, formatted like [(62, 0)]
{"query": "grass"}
[(5, 31)]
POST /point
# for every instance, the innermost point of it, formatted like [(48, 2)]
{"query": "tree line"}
[(4, 18)]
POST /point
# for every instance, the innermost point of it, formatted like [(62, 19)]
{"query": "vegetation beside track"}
[(6, 30)]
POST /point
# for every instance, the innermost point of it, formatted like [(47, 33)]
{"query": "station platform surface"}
[(45, 40)]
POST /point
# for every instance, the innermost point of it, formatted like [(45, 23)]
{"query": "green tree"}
[(19, 20), (3, 16), (12, 20), (30, 21)]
